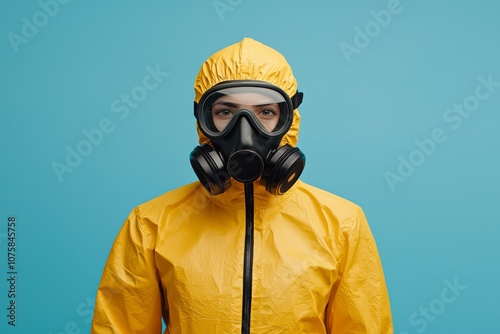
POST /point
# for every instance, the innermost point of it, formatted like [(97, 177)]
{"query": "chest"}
[(200, 263)]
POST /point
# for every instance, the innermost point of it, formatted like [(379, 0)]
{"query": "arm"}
[(359, 302), (129, 297)]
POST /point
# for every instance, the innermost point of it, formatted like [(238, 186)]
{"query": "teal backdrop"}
[(401, 115)]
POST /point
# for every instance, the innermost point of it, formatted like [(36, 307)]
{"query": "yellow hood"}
[(249, 60)]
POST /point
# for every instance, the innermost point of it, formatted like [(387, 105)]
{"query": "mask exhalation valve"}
[(245, 166)]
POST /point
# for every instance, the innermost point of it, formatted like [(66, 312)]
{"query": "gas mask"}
[(245, 121)]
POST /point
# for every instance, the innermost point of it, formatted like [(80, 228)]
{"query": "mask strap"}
[(296, 99)]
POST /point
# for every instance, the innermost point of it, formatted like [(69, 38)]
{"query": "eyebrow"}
[(230, 104)]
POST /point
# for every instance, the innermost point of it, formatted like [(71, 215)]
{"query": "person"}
[(250, 248)]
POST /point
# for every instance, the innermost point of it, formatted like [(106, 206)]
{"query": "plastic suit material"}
[(179, 257)]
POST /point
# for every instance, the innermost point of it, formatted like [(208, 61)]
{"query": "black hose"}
[(248, 261)]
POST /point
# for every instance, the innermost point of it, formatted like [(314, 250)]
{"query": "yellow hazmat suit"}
[(316, 268)]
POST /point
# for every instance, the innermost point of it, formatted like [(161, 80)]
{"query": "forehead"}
[(246, 98)]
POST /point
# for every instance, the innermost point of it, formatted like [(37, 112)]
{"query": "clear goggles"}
[(264, 105)]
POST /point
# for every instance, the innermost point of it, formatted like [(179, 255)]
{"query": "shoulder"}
[(146, 217), (151, 211), (170, 199), (338, 213), (326, 200)]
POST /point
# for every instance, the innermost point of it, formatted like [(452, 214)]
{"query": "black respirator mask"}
[(245, 121)]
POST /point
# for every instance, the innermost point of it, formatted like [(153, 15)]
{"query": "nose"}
[(245, 133), (245, 164)]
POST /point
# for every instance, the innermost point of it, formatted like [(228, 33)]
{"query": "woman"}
[(249, 248)]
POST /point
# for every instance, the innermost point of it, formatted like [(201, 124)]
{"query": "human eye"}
[(267, 113), (222, 113)]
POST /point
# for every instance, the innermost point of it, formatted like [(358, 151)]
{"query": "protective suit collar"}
[(234, 197)]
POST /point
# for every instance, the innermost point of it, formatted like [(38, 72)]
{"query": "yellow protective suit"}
[(179, 257)]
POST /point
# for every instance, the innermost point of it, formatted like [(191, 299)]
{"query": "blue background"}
[(361, 112)]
